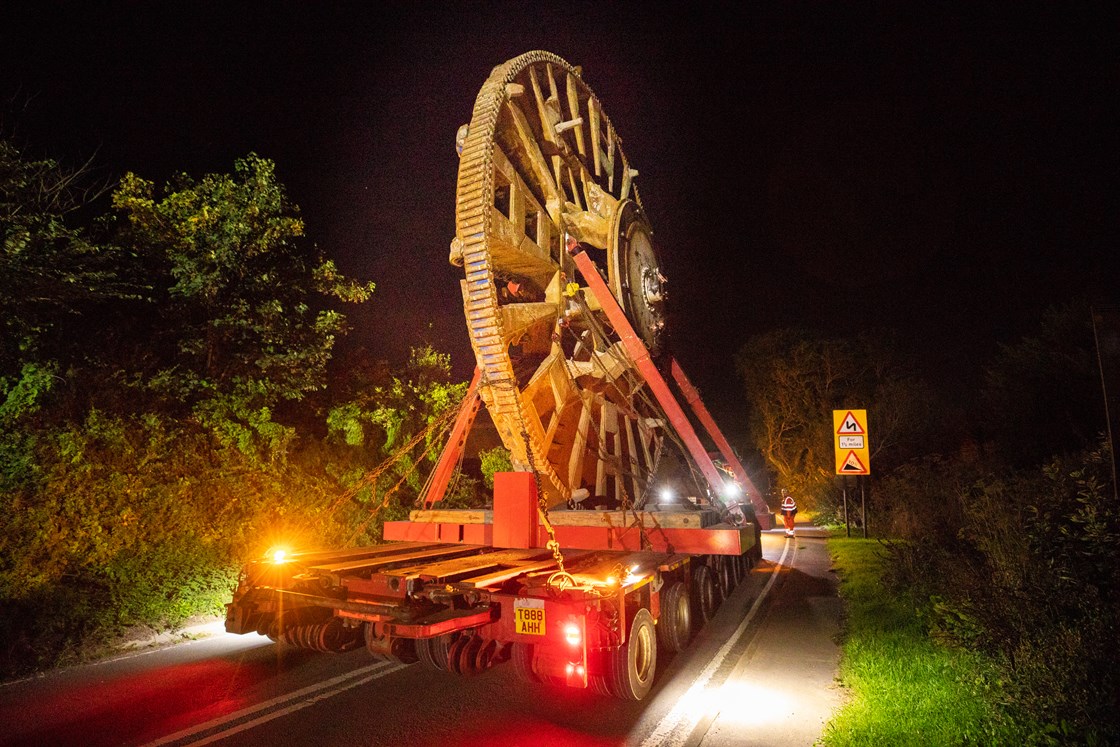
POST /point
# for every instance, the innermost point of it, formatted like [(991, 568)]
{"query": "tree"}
[(794, 379), (1041, 394), (240, 322), (50, 270)]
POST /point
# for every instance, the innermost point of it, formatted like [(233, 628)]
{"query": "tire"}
[(724, 576), (674, 628), (522, 657), (599, 684), (633, 664), (705, 596), (755, 553), (735, 563), (432, 652)]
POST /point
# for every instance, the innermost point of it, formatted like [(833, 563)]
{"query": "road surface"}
[(760, 673)]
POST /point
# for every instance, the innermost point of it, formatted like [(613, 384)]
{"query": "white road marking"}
[(311, 694), (684, 712)]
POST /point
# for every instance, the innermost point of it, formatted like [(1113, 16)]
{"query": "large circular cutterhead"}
[(541, 162)]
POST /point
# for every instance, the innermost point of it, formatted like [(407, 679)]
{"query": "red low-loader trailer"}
[(575, 597), (580, 571)]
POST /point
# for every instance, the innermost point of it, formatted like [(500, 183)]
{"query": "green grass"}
[(903, 688)]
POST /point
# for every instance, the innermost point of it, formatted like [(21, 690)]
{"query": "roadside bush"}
[(1031, 578)]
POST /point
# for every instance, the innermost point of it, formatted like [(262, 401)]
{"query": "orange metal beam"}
[(640, 355), (445, 467), (692, 396)]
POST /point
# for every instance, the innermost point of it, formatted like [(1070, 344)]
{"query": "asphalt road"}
[(761, 672)]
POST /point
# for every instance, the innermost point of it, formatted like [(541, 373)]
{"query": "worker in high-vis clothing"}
[(789, 510)]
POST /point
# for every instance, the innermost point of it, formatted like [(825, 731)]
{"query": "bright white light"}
[(738, 702), (751, 705), (572, 634), (731, 490), (279, 555)]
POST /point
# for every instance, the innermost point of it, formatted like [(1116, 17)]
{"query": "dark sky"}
[(944, 172)]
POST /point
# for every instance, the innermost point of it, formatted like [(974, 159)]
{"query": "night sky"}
[(944, 172)]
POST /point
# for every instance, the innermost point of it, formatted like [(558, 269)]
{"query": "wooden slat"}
[(387, 560), (469, 567), (452, 516), (648, 519), (369, 551)]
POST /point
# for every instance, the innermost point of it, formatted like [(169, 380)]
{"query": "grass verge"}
[(904, 689)]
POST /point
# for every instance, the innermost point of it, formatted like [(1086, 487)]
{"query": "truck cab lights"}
[(277, 555)]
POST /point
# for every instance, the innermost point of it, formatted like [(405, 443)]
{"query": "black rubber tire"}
[(522, 657), (404, 651), (746, 562), (432, 654), (704, 596), (599, 684), (633, 664), (725, 579), (735, 563), (674, 627), (467, 656)]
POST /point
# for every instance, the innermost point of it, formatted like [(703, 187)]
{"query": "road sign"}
[(850, 439)]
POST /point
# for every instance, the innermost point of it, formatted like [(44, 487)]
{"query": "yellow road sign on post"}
[(853, 450)]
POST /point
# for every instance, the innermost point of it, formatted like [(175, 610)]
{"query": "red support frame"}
[(640, 355), (660, 388), (445, 467), (692, 396)]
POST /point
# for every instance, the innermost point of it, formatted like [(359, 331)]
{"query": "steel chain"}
[(542, 507)]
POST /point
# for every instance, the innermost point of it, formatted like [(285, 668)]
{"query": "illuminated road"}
[(759, 673)]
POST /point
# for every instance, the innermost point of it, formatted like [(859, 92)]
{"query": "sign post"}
[(853, 454)]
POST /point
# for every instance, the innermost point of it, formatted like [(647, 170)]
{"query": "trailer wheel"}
[(599, 684), (746, 562), (756, 551), (724, 576), (705, 598), (522, 657), (485, 656), (674, 628), (433, 652), (735, 563), (468, 654), (633, 664)]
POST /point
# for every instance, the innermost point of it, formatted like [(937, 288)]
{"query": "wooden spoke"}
[(542, 171), (574, 111), (593, 121)]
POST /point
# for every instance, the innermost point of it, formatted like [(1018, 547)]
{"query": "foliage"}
[(794, 380), (237, 328), (903, 688), (141, 465), (50, 271), (1049, 377), (1032, 579), (494, 460)]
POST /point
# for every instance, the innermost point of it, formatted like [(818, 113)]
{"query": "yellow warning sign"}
[(851, 442)]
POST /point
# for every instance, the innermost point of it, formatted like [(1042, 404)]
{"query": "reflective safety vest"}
[(788, 504)]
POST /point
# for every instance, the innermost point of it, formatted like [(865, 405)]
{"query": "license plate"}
[(528, 616)]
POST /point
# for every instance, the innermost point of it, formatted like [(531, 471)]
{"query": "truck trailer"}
[(627, 517)]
